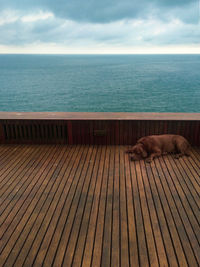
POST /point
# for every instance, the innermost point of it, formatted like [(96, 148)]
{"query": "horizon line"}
[(98, 54)]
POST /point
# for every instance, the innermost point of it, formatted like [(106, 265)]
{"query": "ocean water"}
[(100, 83)]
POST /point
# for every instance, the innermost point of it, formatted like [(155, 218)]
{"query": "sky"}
[(100, 26)]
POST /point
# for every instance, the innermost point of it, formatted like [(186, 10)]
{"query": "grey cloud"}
[(78, 22), (126, 33), (105, 10)]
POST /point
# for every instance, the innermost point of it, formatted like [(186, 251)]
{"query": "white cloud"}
[(8, 16), (40, 15)]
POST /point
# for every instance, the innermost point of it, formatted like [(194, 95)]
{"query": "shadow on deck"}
[(89, 206)]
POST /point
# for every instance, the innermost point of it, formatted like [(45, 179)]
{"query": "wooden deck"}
[(64, 205)]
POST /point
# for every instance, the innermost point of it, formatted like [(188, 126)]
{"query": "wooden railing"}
[(94, 128)]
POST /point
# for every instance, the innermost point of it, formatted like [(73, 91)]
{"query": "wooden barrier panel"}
[(95, 128)]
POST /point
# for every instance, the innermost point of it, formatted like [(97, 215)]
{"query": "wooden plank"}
[(72, 226), (123, 231), (12, 197), (69, 211), (74, 252), (184, 185), (82, 208), (45, 233), (155, 224), (99, 232), (53, 232), (188, 221), (36, 237), (194, 158), (140, 230), (12, 169), (189, 172), (17, 224), (147, 224), (83, 253), (162, 218), (6, 153), (172, 215), (107, 236), (115, 245), (131, 217)]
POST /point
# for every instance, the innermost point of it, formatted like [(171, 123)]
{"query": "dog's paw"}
[(148, 160)]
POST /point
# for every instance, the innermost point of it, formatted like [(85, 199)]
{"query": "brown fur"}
[(153, 146)]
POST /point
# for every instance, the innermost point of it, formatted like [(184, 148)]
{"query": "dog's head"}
[(138, 152)]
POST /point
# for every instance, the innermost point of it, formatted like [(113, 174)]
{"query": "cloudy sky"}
[(99, 26)]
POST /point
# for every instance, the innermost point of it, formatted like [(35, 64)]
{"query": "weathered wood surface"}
[(78, 205), (98, 116)]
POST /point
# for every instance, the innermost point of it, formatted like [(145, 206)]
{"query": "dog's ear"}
[(147, 143)]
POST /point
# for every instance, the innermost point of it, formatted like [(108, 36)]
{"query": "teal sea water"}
[(109, 83)]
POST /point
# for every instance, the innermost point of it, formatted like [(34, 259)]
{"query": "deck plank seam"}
[(181, 243), (83, 210), (10, 167), (13, 230), (66, 197), (7, 151), (63, 160), (90, 213), (99, 203), (194, 171), (37, 216), (139, 216), (123, 211), (113, 199), (184, 192), (64, 227), (178, 209), (105, 207), (193, 160), (163, 211), (165, 190), (58, 201), (156, 212), (15, 185), (31, 202), (134, 212), (126, 198), (149, 214), (142, 213), (189, 180), (74, 183), (77, 206), (93, 176), (8, 188)]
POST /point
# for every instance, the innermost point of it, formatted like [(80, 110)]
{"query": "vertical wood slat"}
[(69, 132), (2, 133), (115, 132)]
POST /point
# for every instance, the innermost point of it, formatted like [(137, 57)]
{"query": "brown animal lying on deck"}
[(153, 146)]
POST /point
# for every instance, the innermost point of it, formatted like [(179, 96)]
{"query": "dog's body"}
[(153, 146)]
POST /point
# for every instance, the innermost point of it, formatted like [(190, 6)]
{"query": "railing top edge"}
[(98, 116)]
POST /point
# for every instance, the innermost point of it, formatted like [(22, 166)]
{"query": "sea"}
[(100, 83)]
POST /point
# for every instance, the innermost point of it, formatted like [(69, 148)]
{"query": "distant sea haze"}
[(100, 83)]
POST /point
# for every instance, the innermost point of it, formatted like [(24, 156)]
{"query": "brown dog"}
[(153, 146)]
